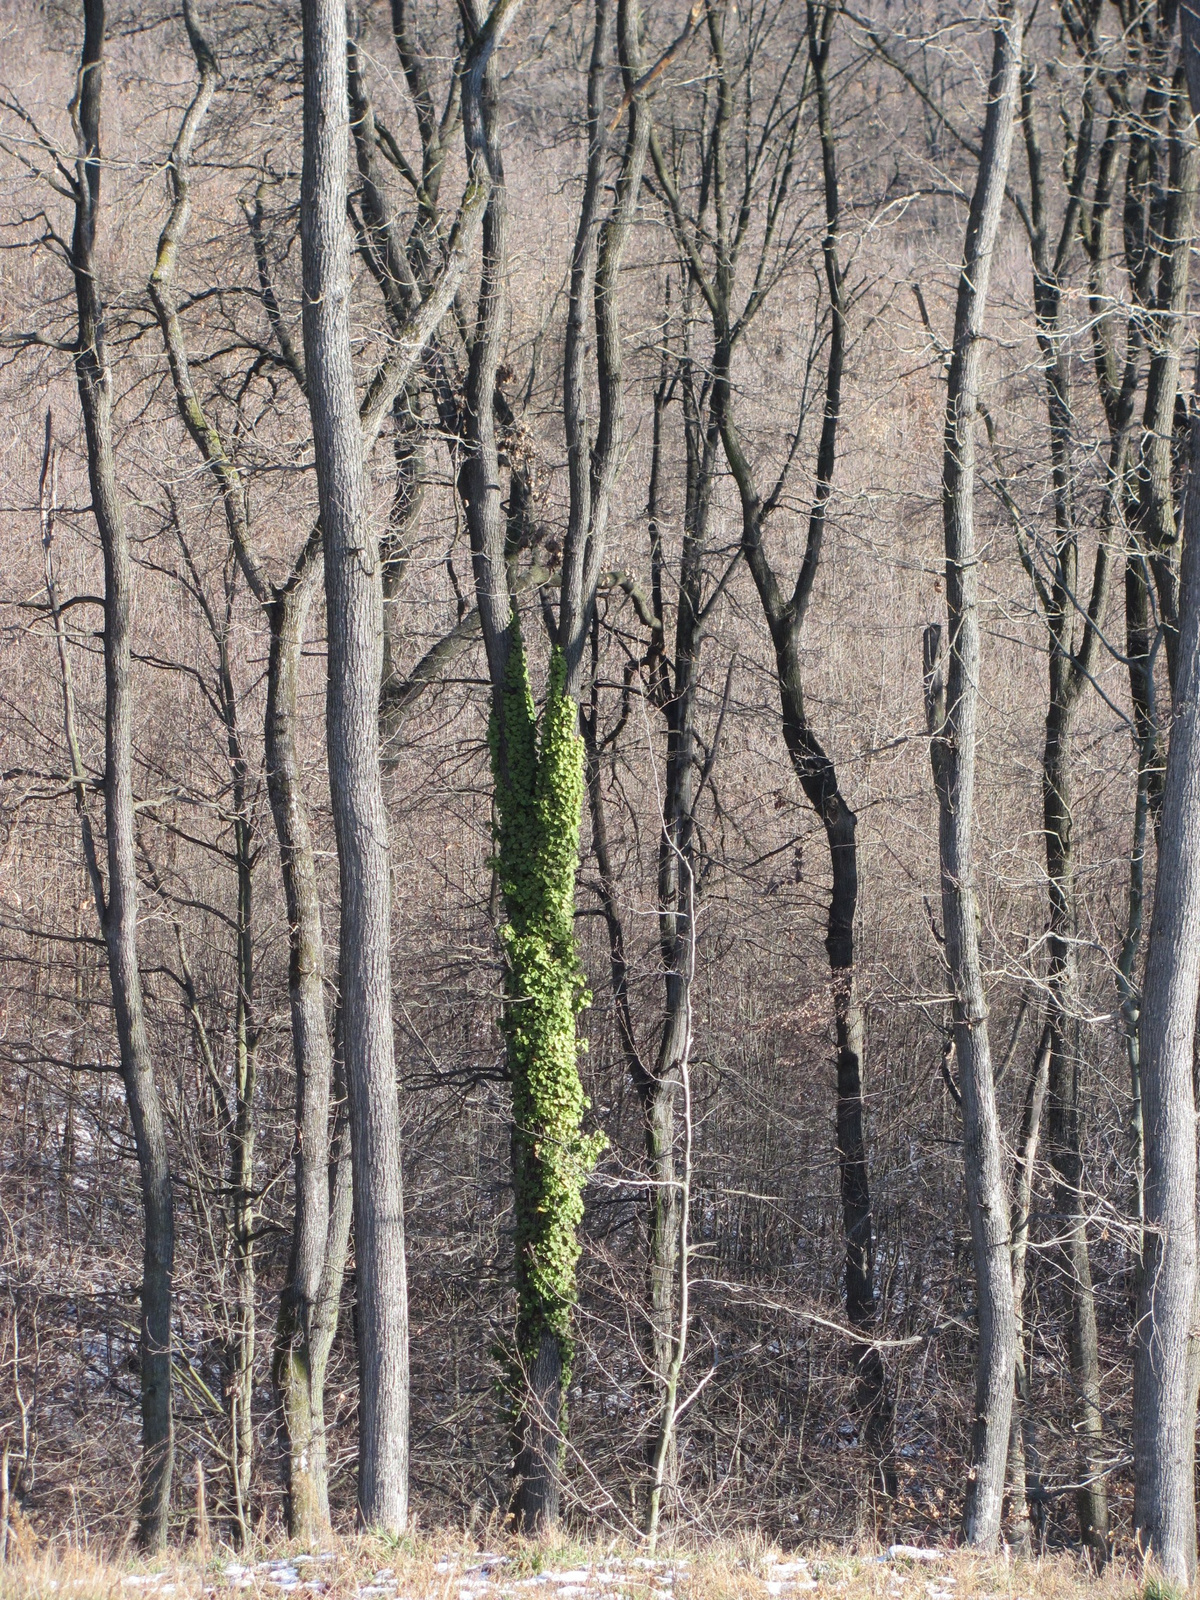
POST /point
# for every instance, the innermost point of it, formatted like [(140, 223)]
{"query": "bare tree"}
[(952, 710), (672, 673), (785, 615), (117, 900), (1073, 646), (352, 581), (309, 1304), (1165, 1371), (1165, 1368)]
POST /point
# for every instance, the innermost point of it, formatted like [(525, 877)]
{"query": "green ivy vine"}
[(539, 796)]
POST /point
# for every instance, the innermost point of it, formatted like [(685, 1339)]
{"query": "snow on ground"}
[(909, 1572)]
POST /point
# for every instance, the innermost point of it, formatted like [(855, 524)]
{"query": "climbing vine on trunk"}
[(539, 792)]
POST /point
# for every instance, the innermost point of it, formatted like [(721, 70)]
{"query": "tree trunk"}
[(1022, 1453), (308, 1322), (677, 895), (303, 1337), (953, 708), (1164, 1374), (311, 1295), (1154, 515), (538, 767), (818, 779), (119, 909), (242, 1128), (1070, 667), (539, 794), (355, 623), (1064, 1114), (1146, 810), (817, 774)]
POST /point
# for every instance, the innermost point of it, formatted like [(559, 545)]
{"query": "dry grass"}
[(448, 1568)]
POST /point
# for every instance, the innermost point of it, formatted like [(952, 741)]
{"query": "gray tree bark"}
[(1154, 516), (594, 453), (675, 686), (1022, 1454), (309, 1302), (1165, 1367), (952, 708), (355, 623), (320, 1232), (118, 904), (311, 1295), (1072, 647), (658, 1086), (1164, 1378)]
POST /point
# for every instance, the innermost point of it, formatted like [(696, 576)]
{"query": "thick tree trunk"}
[(311, 1295), (1164, 1372), (355, 621), (1165, 1368), (307, 1327), (1164, 1379), (120, 909), (537, 1456), (953, 710)]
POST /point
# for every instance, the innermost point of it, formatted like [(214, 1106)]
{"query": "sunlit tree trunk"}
[(118, 902), (355, 623), (952, 705)]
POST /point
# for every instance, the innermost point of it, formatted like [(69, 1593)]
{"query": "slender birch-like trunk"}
[(952, 707), (117, 903)]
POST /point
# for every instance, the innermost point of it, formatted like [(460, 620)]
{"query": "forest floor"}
[(441, 1569)]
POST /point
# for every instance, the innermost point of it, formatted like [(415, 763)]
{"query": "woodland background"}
[(773, 1438)]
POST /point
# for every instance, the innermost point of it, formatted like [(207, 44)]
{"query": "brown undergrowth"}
[(445, 1567)]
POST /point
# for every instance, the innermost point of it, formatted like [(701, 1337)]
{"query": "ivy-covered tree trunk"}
[(539, 795)]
